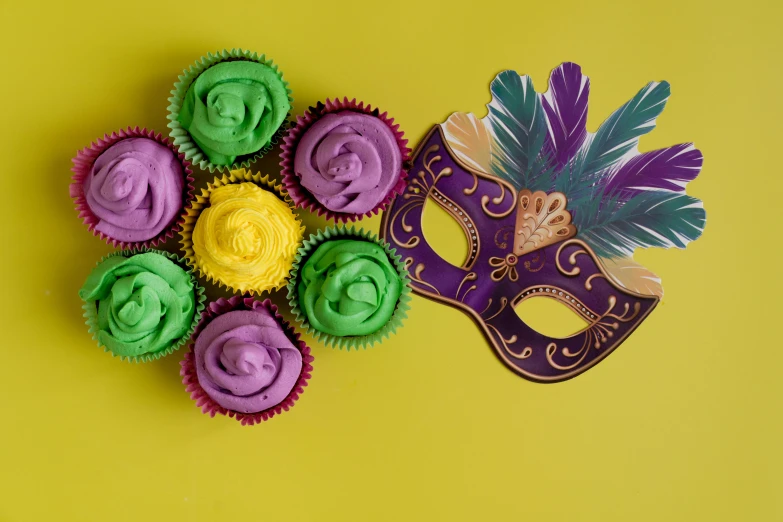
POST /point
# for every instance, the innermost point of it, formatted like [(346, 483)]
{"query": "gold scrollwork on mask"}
[(417, 276), (503, 305), (599, 333), (505, 266), (527, 352), (503, 236), (588, 282), (508, 341), (416, 194), (414, 240), (471, 276), (497, 201), (465, 221), (571, 260), (536, 263), (470, 191)]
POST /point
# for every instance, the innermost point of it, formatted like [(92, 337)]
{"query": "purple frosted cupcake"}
[(344, 160), (246, 361), (130, 188)]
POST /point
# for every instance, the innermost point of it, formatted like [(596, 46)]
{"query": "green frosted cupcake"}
[(348, 288), (141, 305), (228, 109)]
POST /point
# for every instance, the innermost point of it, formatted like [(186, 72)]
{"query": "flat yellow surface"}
[(682, 423)]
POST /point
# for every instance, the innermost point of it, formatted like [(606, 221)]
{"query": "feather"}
[(470, 140), (578, 187), (632, 276), (650, 219), (668, 169), (565, 105), (519, 129), (619, 134)]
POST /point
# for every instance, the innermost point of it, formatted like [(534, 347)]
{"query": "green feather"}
[(621, 131), (578, 187), (650, 219), (518, 124)]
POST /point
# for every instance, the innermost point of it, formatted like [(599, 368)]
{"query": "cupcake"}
[(344, 160), (246, 361), (348, 288), (141, 305), (130, 188), (228, 109), (242, 233)]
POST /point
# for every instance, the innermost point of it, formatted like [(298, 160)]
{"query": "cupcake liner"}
[(201, 201), (91, 311), (348, 342), (301, 196), (82, 165), (190, 377), (182, 137)]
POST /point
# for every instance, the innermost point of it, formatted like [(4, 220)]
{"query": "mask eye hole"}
[(444, 233), (550, 317)]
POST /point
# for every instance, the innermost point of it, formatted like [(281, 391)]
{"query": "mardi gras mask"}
[(551, 210)]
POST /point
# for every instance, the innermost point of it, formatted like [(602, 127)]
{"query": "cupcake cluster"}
[(135, 189)]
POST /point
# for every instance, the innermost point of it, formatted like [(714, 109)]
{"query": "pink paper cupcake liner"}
[(190, 378), (82, 165), (301, 196)]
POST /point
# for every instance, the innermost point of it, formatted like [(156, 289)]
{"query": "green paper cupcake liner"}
[(348, 342), (91, 310), (181, 136)]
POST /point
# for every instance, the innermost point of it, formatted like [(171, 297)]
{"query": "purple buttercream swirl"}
[(245, 362), (348, 161), (135, 188)]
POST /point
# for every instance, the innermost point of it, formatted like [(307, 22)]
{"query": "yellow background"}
[(682, 423)]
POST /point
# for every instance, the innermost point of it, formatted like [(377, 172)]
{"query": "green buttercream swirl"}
[(348, 287), (234, 108), (145, 302)]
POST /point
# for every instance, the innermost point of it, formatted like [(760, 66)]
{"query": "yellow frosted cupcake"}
[(242, 233)]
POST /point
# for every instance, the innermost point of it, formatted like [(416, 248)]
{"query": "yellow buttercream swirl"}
[(247, 238)]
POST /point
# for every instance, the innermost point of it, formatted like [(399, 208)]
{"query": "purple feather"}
[(565, 104), (668, 169)]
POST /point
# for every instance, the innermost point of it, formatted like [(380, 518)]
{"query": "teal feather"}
[(519, 130), (620, 133), (650, 219), (578, 187)]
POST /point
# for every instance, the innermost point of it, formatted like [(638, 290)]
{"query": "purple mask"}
[(550, 210)]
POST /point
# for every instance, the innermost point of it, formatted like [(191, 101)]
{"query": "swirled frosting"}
[(135, 189), (247, 238), (348, 161), (145, 302), (348, 287), (233, 109), (245, 362)]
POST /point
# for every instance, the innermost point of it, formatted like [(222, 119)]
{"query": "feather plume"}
[(619, 134), (650, 219), (664, 169), (470, 140), (565, 105), (632, 276), (519, 129)]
